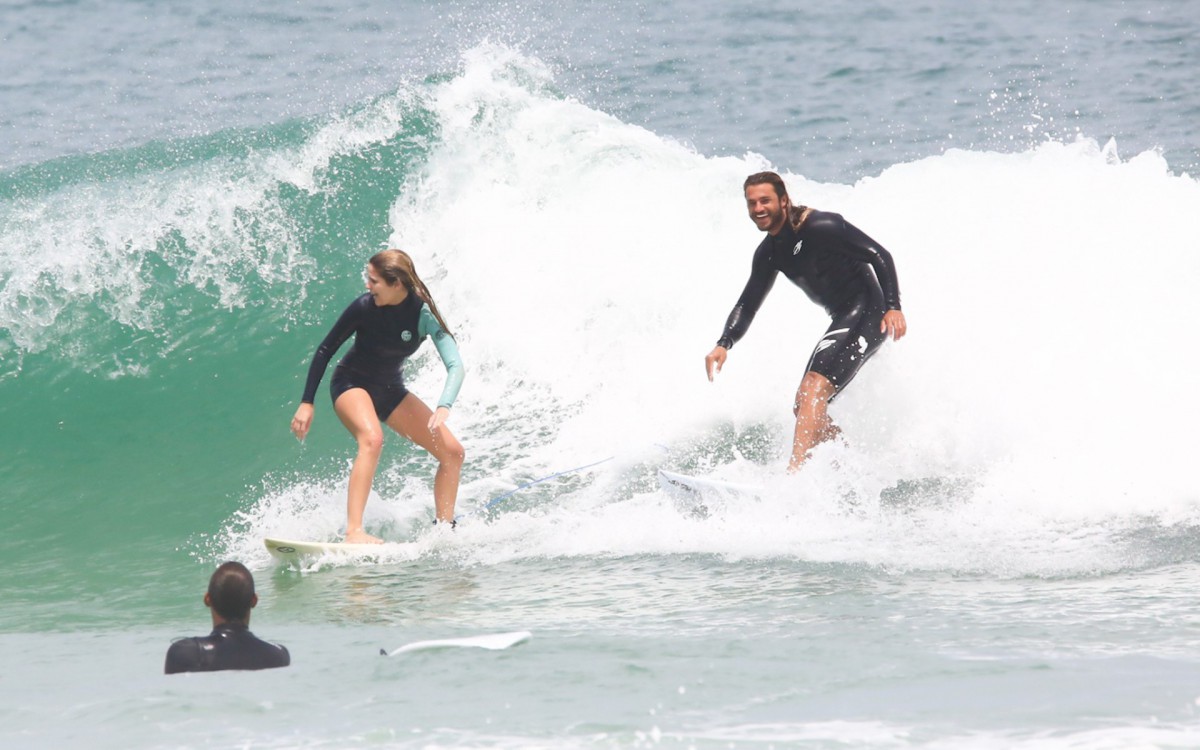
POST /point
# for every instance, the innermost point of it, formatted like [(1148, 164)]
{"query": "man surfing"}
[(838, 267)]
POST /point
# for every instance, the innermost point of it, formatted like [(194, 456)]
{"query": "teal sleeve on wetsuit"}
[(448, 350)]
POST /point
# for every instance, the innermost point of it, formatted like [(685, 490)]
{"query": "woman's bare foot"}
[(358, 536)]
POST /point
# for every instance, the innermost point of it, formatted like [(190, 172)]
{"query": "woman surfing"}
[(388, 323)]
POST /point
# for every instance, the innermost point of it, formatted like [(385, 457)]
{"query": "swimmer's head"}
[(231, 592)]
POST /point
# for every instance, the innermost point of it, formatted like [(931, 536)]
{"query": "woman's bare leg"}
[(411, 419), (357, 411)]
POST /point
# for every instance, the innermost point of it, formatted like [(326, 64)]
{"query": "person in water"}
[(838, 267), (231, 645), (388, 323)]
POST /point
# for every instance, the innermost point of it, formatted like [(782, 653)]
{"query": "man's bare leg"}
[(813, 425)]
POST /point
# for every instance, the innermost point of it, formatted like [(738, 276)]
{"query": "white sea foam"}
[(589, 265)]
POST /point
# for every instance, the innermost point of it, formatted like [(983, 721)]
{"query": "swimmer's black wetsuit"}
[(384, 336), (230, 646), (838, 267)]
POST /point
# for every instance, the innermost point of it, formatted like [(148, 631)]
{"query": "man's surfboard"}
[(493, 642), (293, 549), (678, 484), (701, 496)]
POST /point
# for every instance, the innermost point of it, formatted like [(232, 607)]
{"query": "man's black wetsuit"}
[(229, 646), (838, 267)]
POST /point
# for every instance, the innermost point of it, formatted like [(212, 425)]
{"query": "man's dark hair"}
[(767, 178), (231, 591)]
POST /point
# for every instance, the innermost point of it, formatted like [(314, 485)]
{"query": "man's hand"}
[(715, 357), (893, 324)]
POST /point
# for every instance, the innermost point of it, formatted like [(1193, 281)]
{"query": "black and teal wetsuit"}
[(840, 268), (231, 645), (384, 337)]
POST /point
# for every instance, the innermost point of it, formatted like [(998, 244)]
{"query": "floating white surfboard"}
[(493, 642), (292, 549)]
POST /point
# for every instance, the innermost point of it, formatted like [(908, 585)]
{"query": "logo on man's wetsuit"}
[(796, 249), (406, 336)]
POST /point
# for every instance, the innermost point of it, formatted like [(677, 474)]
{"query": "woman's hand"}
[(302, 421), (438, 418)]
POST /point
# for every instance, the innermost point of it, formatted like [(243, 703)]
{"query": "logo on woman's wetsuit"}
[(406, 336)]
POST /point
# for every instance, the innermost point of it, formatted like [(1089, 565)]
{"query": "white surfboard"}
[(684, 484), (293, 549), (493, 642), (700, 497)]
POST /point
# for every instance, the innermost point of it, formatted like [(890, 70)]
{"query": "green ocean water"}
[(129, 433)]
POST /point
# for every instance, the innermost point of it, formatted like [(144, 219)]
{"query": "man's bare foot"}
[(358, 536), (831, 432), (828, 433), (796, 462)]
